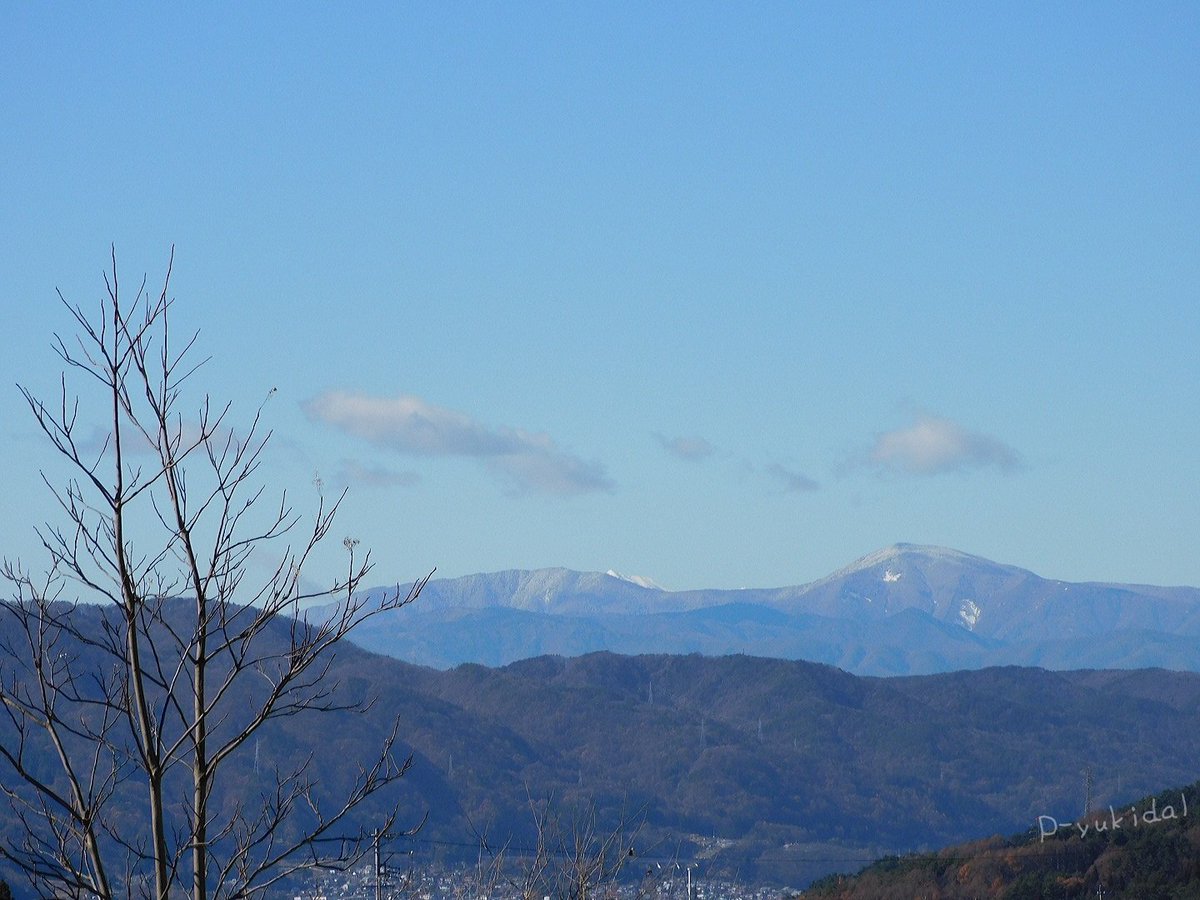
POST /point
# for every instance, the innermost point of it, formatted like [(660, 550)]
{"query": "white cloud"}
[(793, 482), (691, 448), (353, 472), (408, 424), (933, 445), (551, 471)]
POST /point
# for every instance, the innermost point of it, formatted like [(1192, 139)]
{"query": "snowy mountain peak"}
[(639, 580), (902, 610), (892, 558)]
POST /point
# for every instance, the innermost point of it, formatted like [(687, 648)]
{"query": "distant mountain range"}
[(903, 610), (735, 766)]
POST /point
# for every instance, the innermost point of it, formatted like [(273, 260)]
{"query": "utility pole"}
[(378, 870)]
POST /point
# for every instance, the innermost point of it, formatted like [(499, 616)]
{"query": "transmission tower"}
[(1087, 790)]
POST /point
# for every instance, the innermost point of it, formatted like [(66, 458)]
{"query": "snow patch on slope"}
[(639, 580), (889, 556), (968, 613)]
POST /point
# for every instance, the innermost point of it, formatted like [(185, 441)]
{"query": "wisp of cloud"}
[(407, 424), (933, 445)]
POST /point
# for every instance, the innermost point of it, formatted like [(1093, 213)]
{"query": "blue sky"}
[(720, 295)]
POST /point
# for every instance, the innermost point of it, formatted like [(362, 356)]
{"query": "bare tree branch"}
[(143, 702)]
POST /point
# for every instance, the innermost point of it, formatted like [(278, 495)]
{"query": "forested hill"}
[(1145, 850), (763, 768)]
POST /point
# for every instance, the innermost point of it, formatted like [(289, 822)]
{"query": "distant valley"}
[(904, 610)]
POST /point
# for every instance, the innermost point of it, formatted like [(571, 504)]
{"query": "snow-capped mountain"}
[(639, 580), (903, 609)]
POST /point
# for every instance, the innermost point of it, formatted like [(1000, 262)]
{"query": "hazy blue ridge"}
[(902, 610)]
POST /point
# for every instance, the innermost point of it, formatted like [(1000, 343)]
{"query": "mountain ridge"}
[(862, 617), (795, 766)]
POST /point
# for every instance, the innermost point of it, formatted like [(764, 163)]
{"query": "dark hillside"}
[(1145, 850), (766, 768)]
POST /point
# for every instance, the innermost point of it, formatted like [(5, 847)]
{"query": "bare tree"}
[(573, 857), (143, 699)]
